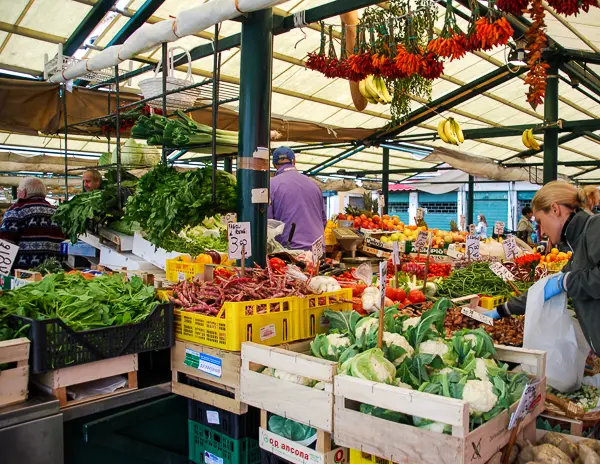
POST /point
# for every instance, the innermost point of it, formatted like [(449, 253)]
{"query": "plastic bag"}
[(550, 327), (292, 430), (274, 229)]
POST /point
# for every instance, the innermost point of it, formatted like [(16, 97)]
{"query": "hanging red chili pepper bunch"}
[(318, 61), (493, 33), (572, 7), (360, 63), (433, 67), (513, 7), (537, 41), (472, 40), (410, 62), (451, 41)]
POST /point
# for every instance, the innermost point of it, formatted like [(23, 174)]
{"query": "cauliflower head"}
[(480, 396), (440, 348), (412, 322), (337, 341), (398, 340), (365, 325), (472, 338)]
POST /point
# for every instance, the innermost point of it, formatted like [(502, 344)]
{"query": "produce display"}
[(167, 201), (211, 235), (556, 448), (586, 396), (505, 331), (49, 266)]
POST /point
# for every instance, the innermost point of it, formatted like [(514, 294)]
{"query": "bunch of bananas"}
[(529, 141), (450, 132), (373, 88)]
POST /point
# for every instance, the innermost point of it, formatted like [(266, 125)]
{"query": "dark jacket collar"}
[(573, 228)]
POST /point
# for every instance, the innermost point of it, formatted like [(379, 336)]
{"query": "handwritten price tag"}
[(472, 229), (229, 217), (382, 279), (381, 201), (396, 254), (463, 222), (473, 247), (421, 240), (470, 312), (502, 272), (453, 253), (238, 235), (317, 250), (499, 228), (420, 214), (511, 249), (527, 402), (8, 253)]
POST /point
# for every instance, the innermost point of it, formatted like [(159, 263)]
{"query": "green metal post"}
[(470, 201), (255, 127), (385, 184), (551, 135), (228, 164)]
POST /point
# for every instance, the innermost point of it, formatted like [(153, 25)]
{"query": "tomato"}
[(341, 217), (400, 295), (416, 296), (357, 306), (364, 217), (277, 265), (358, 290), (357, 223), (390, 293), (376, 218)]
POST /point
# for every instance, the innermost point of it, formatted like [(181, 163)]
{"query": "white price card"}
[(511, 249), (499, 228), (8, 253), (396, 254), (473, 314), (420, 214), (463, 222), (528, 401), (501, 271), (453, 252), (364, 273), (382, 279), (421, 240), (229, 217), (381, 201), (317, 249), (472, 229), (473, 247), (238, 235)]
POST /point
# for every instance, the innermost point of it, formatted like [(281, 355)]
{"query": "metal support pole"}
[(165, 68), (64, 95), (385, 185), (118, 137), (215, 110), (108, 134), (551, 135), (228, 164), (255, 127), (470, 201)]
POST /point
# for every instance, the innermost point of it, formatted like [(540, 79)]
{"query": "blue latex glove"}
[(493, 313), (554, 286)]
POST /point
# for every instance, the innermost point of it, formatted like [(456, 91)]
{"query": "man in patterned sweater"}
[(29, 224)]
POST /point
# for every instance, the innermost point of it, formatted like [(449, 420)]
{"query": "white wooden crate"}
[(402, 443), (14, 381), (304, 404)]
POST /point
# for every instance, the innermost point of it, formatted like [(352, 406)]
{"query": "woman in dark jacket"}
[(558, 210)]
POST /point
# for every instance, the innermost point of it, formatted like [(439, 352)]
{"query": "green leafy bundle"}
[(166, 201), (81, 303)]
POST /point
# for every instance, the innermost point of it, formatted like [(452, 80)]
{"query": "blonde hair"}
[(592, 196), (561, 193)]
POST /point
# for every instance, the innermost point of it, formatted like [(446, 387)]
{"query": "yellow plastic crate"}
[(358, 457), (268, 322), (492, 302), (180, 270), (312, 308)]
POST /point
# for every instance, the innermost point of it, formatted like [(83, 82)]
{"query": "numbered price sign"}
[(463, 222), (511, 249), (527, 402), (8, 253), (382, 279), (473, 247), (317, 250), (502, 272), (473, 314), (472, 229), (421, 240), (499, 228), (381, 201), (420, 214), (238, 235), (396, 254), (229, 217)]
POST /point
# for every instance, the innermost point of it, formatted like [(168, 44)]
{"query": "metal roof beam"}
[(86, 26), (136, 21), (511, 131), (582, 56), (532, 152), (333, 160)]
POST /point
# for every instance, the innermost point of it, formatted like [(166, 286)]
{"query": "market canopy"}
[(32, 28)]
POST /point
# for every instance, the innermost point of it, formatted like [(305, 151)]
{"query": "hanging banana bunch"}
[(450, 132), (529, 140), (373, 88)]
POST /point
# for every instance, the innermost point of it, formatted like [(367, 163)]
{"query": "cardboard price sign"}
[(317, 249), (511, 249), (499, 228), (473, 314), (238, 235), (473, 247), (463, 222), (396, 254), (502, 272), (527, 402), (381, 201), (8, 253), (472, 229), (421, 240), (382, 279), (453, 253), (420, 214)]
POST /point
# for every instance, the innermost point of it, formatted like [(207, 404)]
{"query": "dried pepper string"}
[(317, 61), (573, 7), (513, 7), (537, 41), (451, 41)]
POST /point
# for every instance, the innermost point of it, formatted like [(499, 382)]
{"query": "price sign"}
[(421, 240), (472, 229), (382, 279), (502, 272), (396, 254), (473, 314), (453, 252), (419, 214), (381, 201), (364, 273), (499, 228), (8, 253), (463, 222), (229, 217), (238, 235), (317, 249), (511, 249), (527, 402), (473, 247)]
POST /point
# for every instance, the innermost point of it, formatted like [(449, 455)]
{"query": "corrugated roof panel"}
[(347, 118)]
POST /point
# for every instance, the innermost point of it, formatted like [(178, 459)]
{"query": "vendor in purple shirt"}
[(295, 198)]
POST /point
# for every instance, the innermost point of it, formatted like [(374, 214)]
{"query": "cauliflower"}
[(480, 396), (398, 340), (279, 374), (483, 366), (365, 325), (336, 341), (471, 338), (440, 348), (412, 322), (398, 383)]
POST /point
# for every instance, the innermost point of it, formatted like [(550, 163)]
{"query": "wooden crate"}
[(575, 426), (402, 443), (220, 370), (308, 405), (59, 380), (31, 276), (14, 380)]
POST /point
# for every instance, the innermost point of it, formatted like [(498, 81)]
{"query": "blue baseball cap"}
[(283, 155)]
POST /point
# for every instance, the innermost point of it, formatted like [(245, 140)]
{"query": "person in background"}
[(92, 180), (29, 224), (557, 207), (525, 226), (592, 196), (481, 228), (295, 198)]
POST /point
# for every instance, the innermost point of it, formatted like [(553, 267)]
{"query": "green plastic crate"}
[(207, 446)]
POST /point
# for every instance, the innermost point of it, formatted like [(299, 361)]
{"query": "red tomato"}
[(357, 223), (416, 296), (400, 295), (390, 293), (358, 290)]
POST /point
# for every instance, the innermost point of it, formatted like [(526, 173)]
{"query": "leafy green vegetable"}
[(330, 346), (290, 429), (372, 365), (343, 321), (386, 414), (49, 266)]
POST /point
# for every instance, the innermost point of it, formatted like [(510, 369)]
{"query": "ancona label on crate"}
[(299, 454)]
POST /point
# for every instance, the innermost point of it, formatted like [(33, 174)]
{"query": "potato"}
[(594, 444), (526, 454), (550, 454), (562, 443), (588, 455)]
